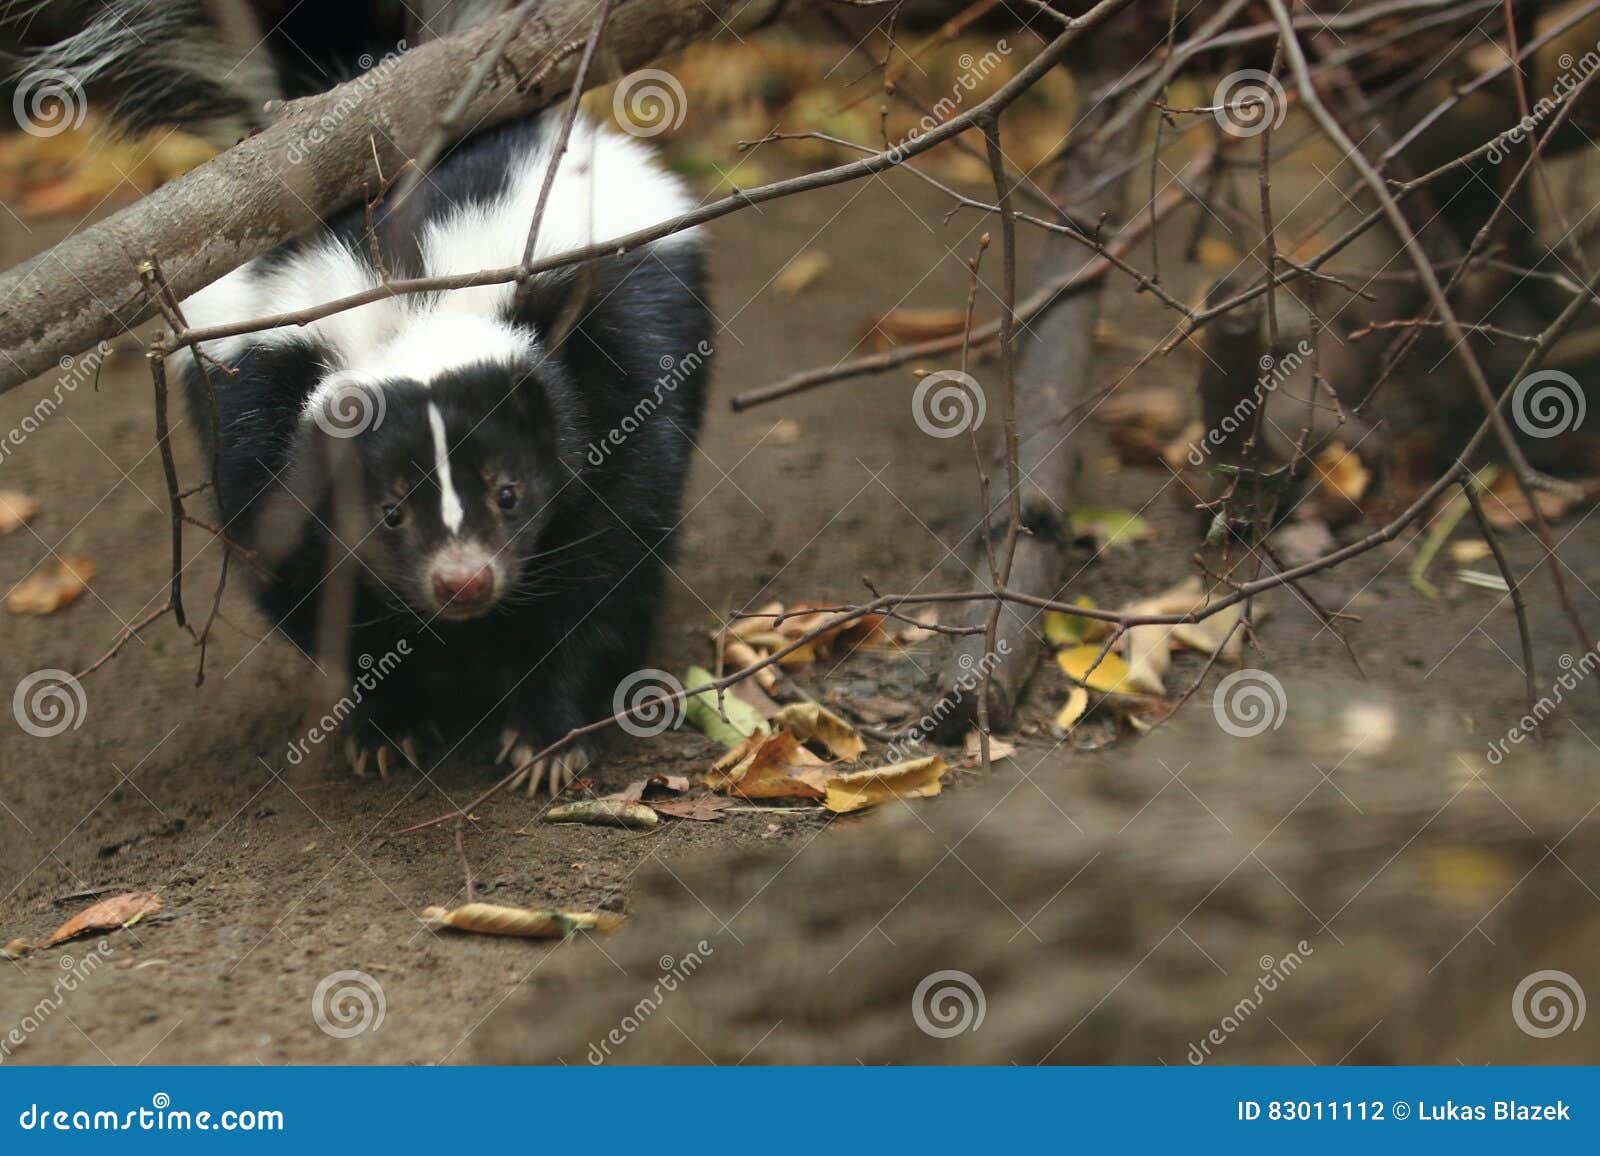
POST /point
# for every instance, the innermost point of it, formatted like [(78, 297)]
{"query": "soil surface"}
[(274, 877)]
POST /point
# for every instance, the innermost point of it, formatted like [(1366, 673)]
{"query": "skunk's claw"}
[(371, 750), (557, 770)]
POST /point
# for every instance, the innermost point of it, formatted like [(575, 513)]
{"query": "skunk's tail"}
[(211, 65)]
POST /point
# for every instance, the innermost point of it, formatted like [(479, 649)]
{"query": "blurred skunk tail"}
[(211, 65)]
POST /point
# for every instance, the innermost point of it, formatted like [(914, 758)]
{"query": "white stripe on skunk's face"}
[(450, 511)]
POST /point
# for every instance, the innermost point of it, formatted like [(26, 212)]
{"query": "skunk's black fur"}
[(567, 415)]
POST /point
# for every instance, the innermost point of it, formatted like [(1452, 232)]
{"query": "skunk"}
[(503, 471)]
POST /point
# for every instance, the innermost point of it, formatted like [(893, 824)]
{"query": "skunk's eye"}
[(506, 497), (394, 517)]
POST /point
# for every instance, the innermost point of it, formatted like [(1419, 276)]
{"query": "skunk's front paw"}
[(558, 770)]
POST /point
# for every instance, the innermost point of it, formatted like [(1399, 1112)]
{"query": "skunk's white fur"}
[(607, 186)]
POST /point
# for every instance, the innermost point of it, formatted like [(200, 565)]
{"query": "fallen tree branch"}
[(240, 204)]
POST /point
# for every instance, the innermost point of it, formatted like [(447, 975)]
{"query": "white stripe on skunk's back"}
[(607, 186)]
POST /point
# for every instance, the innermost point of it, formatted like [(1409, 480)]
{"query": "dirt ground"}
[(273, 877)]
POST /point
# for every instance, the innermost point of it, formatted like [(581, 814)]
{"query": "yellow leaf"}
[(1077, 704), (1063, 629), (1215, 253), (1469, 550), (802, 272), (1340, 471), (917, 779), (1467, 874), (1110, 675)]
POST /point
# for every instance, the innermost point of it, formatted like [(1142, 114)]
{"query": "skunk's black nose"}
[(464, 588)]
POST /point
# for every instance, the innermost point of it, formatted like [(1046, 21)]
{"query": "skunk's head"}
[(450, 484)]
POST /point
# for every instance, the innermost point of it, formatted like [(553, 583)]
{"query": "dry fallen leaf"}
[(1341, 473), (737, 654), (1207, 635), (1215, 253), (603, 813), (706, 809), (772, 629), (784, 432), (1073, 711), (1469, 550), (1110, 675), (771, 766), (16, 510), (490, 919), (1506, 507), (813, 723), (634, 792), (925, 618), (52, 587), (908, 326), (802, 272), (1149, 650), (108, 915), (916, 779), (972, 749)]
